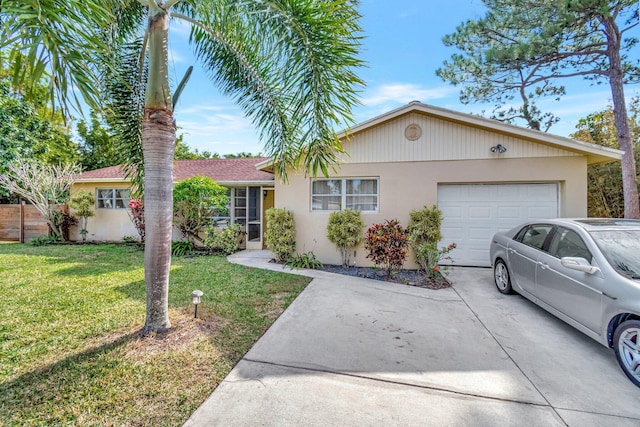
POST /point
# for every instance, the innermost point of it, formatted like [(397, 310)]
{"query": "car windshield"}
[(621, 248)]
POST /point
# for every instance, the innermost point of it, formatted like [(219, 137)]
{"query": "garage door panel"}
[(480, 233), (455, 211), (454, 232), (507, 192), (542, 212), (473, 213), (480, 212), (542, 191), (508, 212), (481, 194)]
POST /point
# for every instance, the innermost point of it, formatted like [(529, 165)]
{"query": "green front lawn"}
[(70, 350)]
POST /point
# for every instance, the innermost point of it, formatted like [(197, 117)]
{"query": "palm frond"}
[(125, 83), (290, 65), (62, 40)]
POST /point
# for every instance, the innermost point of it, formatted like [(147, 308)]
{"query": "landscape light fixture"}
[(498, 149), (195, 298)]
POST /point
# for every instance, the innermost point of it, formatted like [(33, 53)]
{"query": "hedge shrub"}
[(387, 245), (281, 233), (345, 231)]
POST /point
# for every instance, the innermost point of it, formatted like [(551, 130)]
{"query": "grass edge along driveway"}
[(70, 348)]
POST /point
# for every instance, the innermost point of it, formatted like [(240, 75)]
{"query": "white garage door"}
[(473, 213)]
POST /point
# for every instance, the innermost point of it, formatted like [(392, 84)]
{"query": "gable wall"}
[(440, 140)]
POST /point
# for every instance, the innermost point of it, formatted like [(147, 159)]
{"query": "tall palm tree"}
[(289, 64)]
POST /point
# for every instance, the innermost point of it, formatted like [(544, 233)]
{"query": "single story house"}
[(484, 175), (250, 194)]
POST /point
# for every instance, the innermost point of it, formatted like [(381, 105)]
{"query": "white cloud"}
[(403, 93), (222, 129)]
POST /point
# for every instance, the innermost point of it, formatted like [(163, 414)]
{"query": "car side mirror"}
[(578, 264)]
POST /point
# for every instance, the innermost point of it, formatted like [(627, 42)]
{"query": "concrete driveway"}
[(353, 351)]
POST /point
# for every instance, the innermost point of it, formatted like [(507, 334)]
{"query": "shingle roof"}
[(220, 170)]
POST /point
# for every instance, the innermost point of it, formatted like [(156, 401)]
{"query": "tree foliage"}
[(97, 147), (605, 195), (195, 202), (44, 186), (28, 127), (525, 48), (184, 152)]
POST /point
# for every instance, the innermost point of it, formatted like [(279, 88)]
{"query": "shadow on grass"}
[(48, 387), (83, 259), (99, 259), (134, 290)]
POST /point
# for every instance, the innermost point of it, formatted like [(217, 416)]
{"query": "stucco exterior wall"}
[(406, 186), (107, 224)]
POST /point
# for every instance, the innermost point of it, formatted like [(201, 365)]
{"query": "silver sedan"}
[(584, 271)]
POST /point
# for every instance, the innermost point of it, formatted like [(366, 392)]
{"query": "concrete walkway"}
[(352, 351)]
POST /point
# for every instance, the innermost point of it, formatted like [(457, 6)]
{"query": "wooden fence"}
[(19, 223)]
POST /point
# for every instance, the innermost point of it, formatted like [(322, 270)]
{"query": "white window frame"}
[(113, 199), (344, 195)]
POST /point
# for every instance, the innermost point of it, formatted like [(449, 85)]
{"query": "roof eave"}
[(88, 180), (239, 183)]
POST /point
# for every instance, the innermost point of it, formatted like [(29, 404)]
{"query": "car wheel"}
[(626, 343), (502, 278)]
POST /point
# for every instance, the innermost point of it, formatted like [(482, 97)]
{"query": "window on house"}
[(345, 193), (113, 198), (240, 206)]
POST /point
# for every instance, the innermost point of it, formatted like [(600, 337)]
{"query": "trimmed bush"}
[(424, 235), (345, 231), (281, 233), (387, 245), (82, 203), (225, 241), (424, 226)]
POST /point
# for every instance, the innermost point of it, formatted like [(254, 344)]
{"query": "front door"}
[(268, 203), (254, 217)]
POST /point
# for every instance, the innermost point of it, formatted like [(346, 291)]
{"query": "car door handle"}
[(512, 251), (609, 296), (543, 265)]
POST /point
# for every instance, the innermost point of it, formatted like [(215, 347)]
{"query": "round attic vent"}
[(413, 132)]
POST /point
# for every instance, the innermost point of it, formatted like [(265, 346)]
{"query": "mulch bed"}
[(405, 277)]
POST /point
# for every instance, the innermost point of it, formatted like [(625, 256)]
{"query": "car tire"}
[(502, 278), (626, 344)]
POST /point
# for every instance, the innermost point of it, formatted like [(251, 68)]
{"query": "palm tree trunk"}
[(158, 144), (158, 137)]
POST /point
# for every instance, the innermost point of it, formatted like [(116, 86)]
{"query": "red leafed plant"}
[(136, 213), (387, 245)]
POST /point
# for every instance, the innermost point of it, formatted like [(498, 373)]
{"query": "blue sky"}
[(402, 49)]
